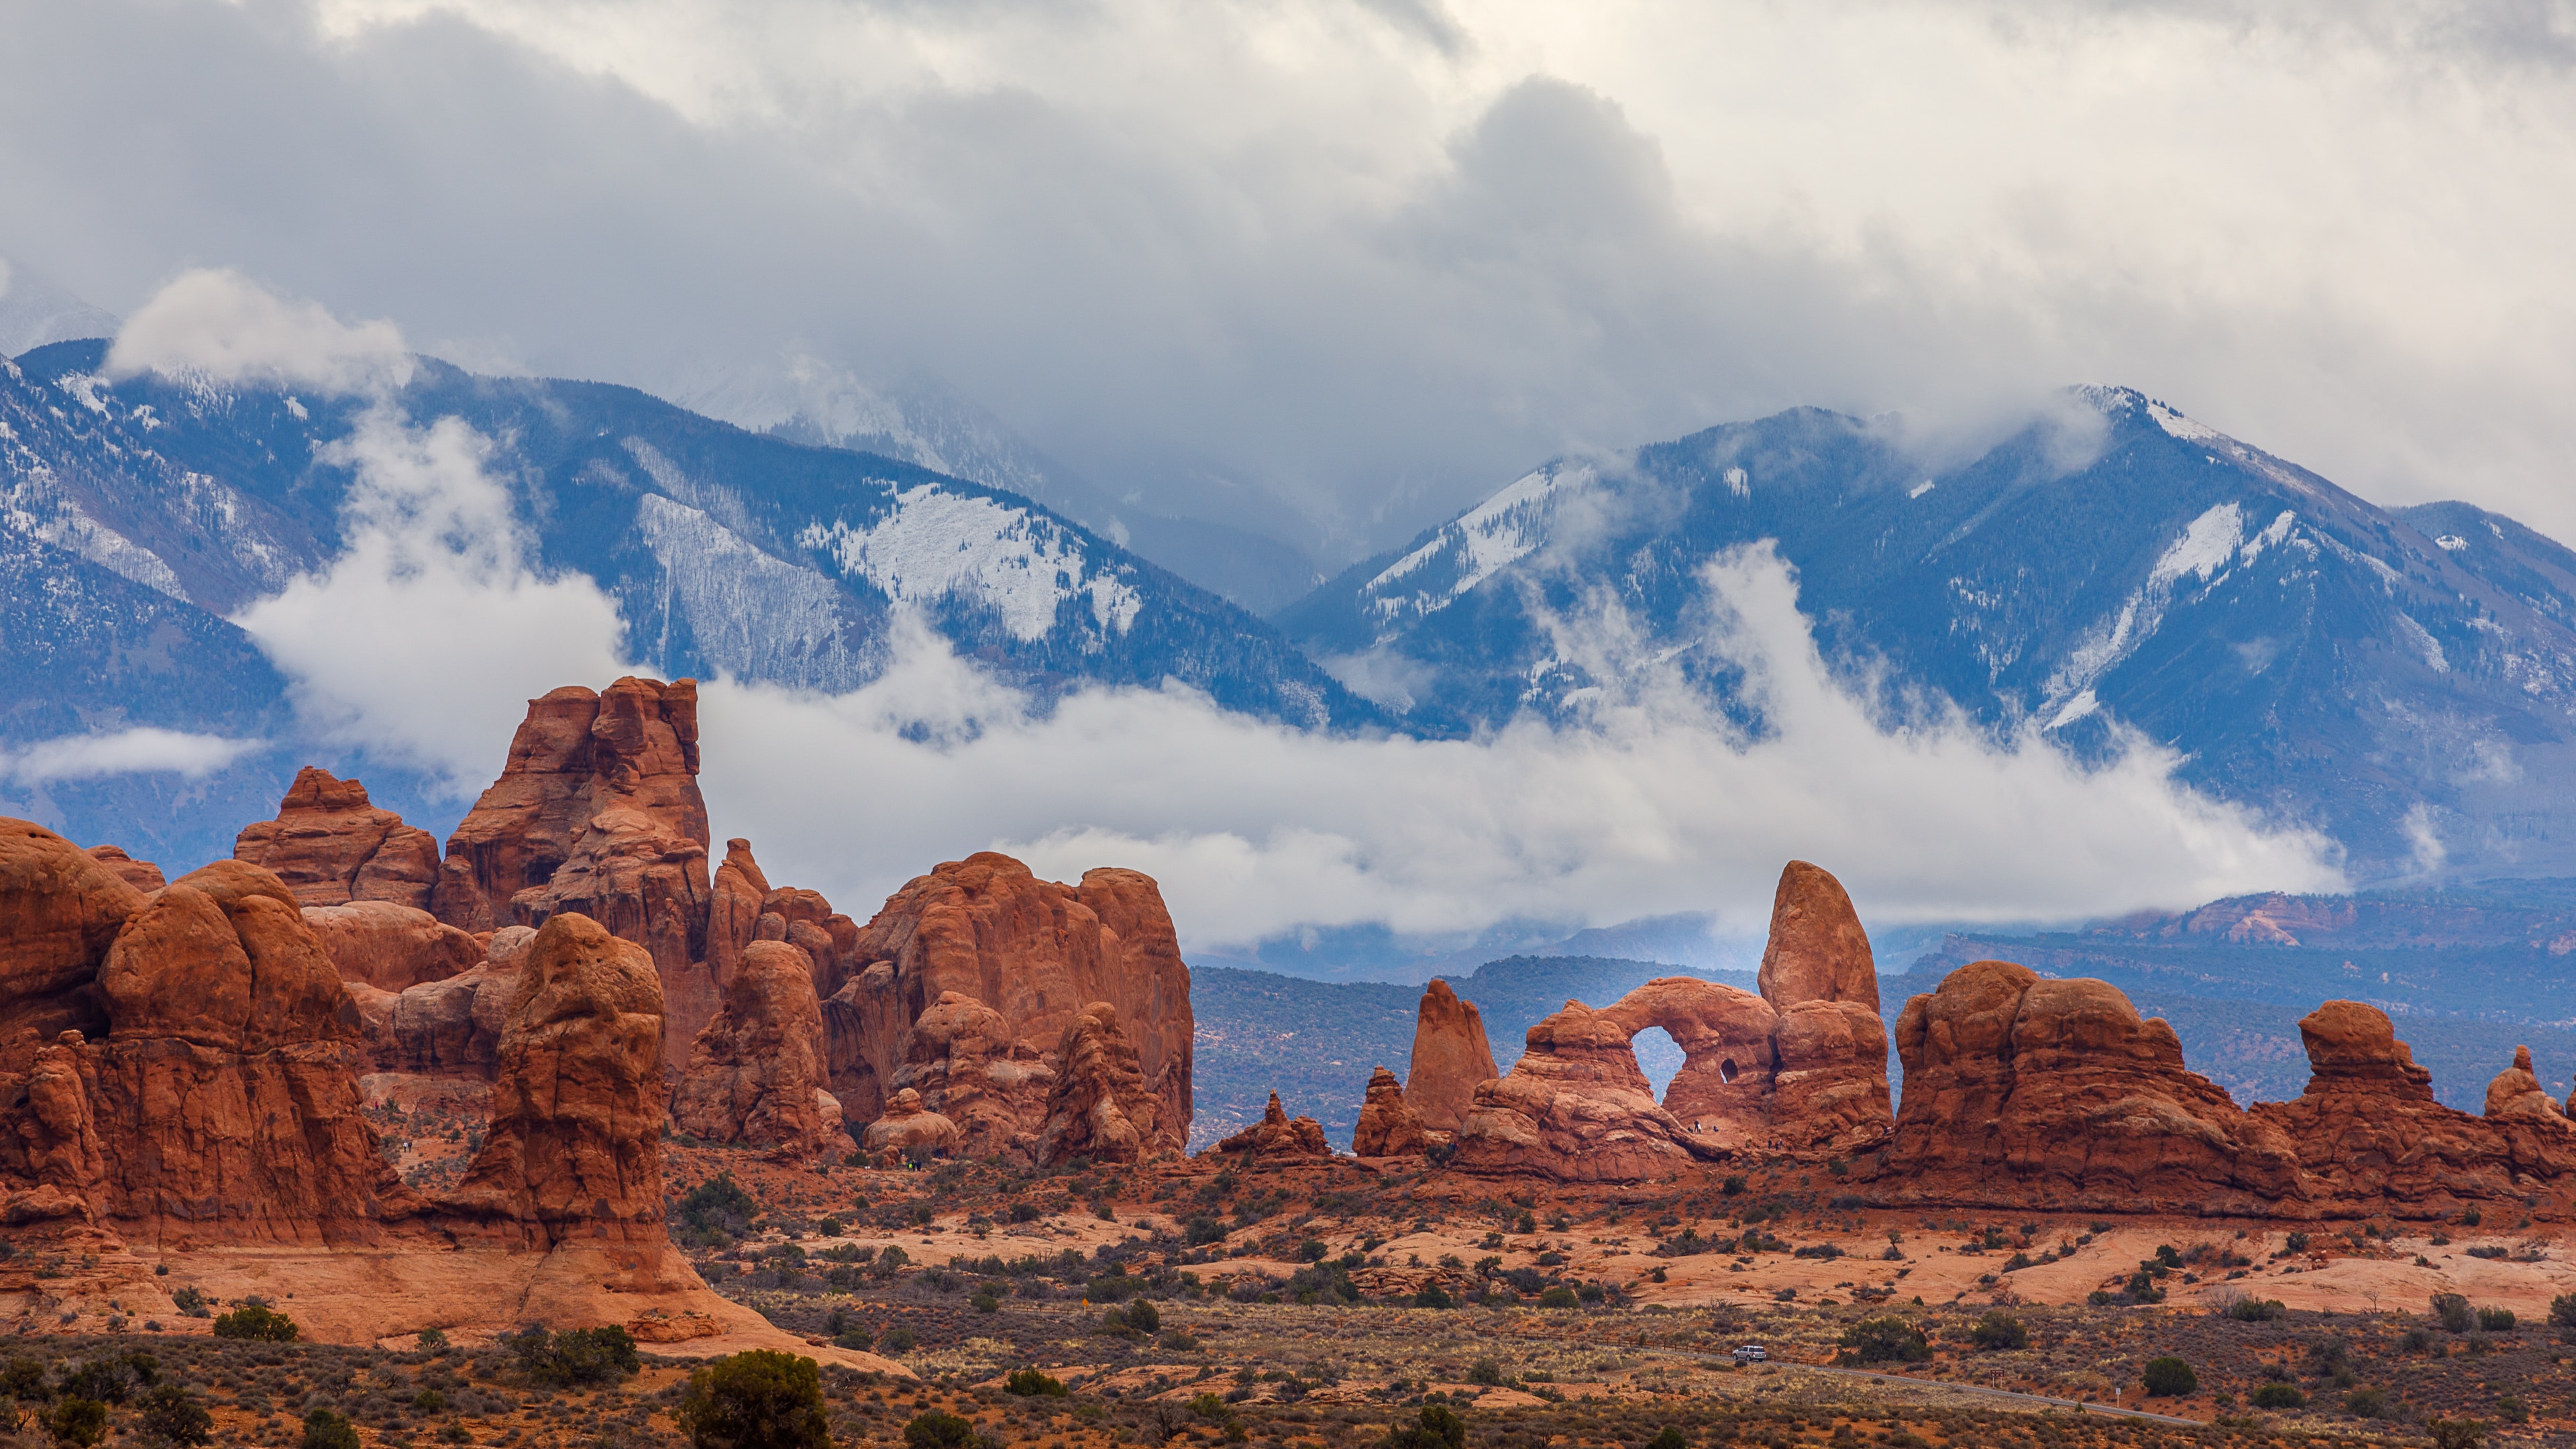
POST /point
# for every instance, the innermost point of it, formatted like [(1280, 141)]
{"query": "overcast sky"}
[(1373, 259)]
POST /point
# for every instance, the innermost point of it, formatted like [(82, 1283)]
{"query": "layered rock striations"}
[(331, 846), (756, 1073), (1100, 1106), (1451, 1058), (1035, 957), (1799, 1070), (2056, 1094), (1278, 1135), (597, 812), (1388, 1125)]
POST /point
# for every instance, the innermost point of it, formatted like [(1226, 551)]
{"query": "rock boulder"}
[(391, 947), (331, 846), (909, 1129), (1388, 1126), (1451, 1058), (756, 1073), (1099, 1106)]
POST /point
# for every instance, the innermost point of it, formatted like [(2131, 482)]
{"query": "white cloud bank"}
[(1656, 807), (220, 325), (121, 752)]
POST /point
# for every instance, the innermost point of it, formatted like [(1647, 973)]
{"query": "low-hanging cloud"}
[(220, 325), (1655, 804), (426, 637), (121, 752)]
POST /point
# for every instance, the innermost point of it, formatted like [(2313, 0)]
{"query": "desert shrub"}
[(1441, 1427), (109, 1380), (1998, 1329), (935, 1429), (574, 1356), (2168, 1377), (2257, 1310), (191, 1301), (326, 1430), (1029, 1383), (1433, 1296), (2457, 1433), (80, 1422), (714, 1212), (432, 1340), (2453, 1312), (758, 1399), (256, 1320), (1558, 1296), (1670, 1438), (2280, 1396), (2496, 1320), (2366, 1403), (1485, 1371), (171, 1415), (900, 1340), (1887, 1339)]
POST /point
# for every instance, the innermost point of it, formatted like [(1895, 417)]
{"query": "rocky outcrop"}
[(2516, 1092), (1388, 1125), (143, 875), (1817, 950), (330, 846), (225, 1095), (965, 1066), (1099, 1107), (597, 812), (733, 912), (2372, 1139), (1724, 1087), (1035, 952), (908, 1129), (391, 947), (60, 911), (1575, 1108), (756, 1073), (1451, 1058), (2036, 1093), (1278, 1135), (574, 1147)]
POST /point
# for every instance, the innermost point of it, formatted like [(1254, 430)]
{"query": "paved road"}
[(2008, 1395)]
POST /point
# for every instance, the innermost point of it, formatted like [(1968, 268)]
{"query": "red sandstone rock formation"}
[(2055, 1094), (909, 1129), (330, 846), (756, 1073), (225, 1094), (733, 913), (1817, 950), (1099, 1107), (574, 1148), (963, 1063), (598, 812), (1451, 1058), (1034, 951), (1575, 1108), (391, 947), (143, 875), (60, 910), (1724, 1088), (2516, 1092), (2372, 1139), (1277, 1135), (1388, 1125)]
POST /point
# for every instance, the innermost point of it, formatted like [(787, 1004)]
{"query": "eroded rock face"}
[(2055, 1094), (573, 1150), (910, 1129), (2516, 1092), (1817, 950), (1099, 1106), (60, 911), (1279, 1135), (1451, 1058), (597, 812), (1388, 1125), (756, 1073), (225, 1096), (330, 846), (391, 947), (1037, 953), (1728, 1064), (733, 914), (964, 1064), (2373, 1140), (143, 875), (1575, 1108)]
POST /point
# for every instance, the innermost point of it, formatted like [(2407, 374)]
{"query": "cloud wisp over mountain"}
[(1336, 269)]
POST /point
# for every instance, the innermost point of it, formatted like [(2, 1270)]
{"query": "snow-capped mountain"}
[(35, 310), (920, 419), (137, 512), (2405, 680)]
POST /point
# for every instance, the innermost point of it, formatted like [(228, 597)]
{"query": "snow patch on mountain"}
[(752, 616), (1480, 543), (934, 544)]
